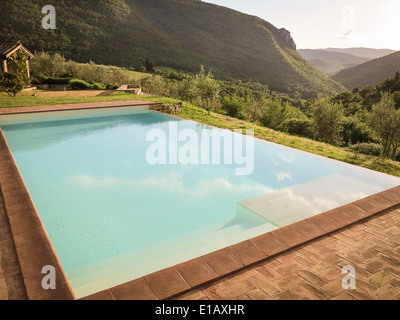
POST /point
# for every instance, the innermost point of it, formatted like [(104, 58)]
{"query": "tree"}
[(188, 90), (149, 65), (272, 113), (385, 122), (155, 85), (19, 59), (52, 65), (208, 88), (355, 131), (11, 83), (252, 109), (233, 106), (327, 118)]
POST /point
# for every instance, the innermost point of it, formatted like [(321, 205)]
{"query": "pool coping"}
[(34, 248), (75, 106)]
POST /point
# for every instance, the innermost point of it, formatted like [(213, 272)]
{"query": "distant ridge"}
[(369, 53), (369, 73), (331, 62)]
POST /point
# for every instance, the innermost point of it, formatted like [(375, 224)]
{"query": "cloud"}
[(171, 183), (282, 176), (286, 159)]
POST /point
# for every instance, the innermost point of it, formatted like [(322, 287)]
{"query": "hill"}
[(330, 62), (369, 73), (180, 34), (369, 53)]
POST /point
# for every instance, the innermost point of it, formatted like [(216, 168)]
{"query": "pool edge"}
[(74, 106), (184, 277)]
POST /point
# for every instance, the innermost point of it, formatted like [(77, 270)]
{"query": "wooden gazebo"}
[(6, 51)]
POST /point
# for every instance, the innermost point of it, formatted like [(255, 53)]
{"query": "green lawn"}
[(26, 99), (191, 112)]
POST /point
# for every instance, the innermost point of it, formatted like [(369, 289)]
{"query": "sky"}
[(329, 23)]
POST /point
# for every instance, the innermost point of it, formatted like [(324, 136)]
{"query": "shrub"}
[(272, 114), (112, 86), (369, 148), (298, 127), (141, 69), (11, 83), (99, 86), (355, 131), (232, 106), (50, 80), (77, 84)]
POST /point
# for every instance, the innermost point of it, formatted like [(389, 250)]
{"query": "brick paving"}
[(314, 271), (11, 282)]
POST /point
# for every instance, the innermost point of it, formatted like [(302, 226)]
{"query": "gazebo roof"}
[(7, 49)]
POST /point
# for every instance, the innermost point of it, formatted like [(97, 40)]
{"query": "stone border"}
[(76, 106), (35, 250)]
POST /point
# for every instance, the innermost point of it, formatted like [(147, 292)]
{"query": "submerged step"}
[(138, 263), (293, 204)]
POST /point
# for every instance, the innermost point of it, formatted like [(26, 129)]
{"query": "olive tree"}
[(208, 88), (187, 90), (48, 64), (385, 122), (327, 118)]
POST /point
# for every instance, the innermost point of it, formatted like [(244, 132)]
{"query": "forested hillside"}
[(369, 73), (181, 34)]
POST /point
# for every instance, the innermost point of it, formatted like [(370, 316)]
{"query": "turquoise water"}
[(107, 210)]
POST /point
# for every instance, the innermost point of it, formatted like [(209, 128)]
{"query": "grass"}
[(26, 99), (200, 115)]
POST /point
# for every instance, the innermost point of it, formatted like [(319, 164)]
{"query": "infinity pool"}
[(113, 215)]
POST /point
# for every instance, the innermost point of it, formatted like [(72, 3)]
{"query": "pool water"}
[(113, 217)]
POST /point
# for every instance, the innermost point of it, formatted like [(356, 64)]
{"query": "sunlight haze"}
[(322, 24)]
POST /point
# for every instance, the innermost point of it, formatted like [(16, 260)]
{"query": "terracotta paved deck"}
[(314, 271), (11, 282)]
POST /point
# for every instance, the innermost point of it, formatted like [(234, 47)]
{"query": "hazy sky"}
[(329, 23)]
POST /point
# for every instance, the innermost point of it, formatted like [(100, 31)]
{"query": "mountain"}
[(331, 62), (364, 52), (180, 34), (369, 73)]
